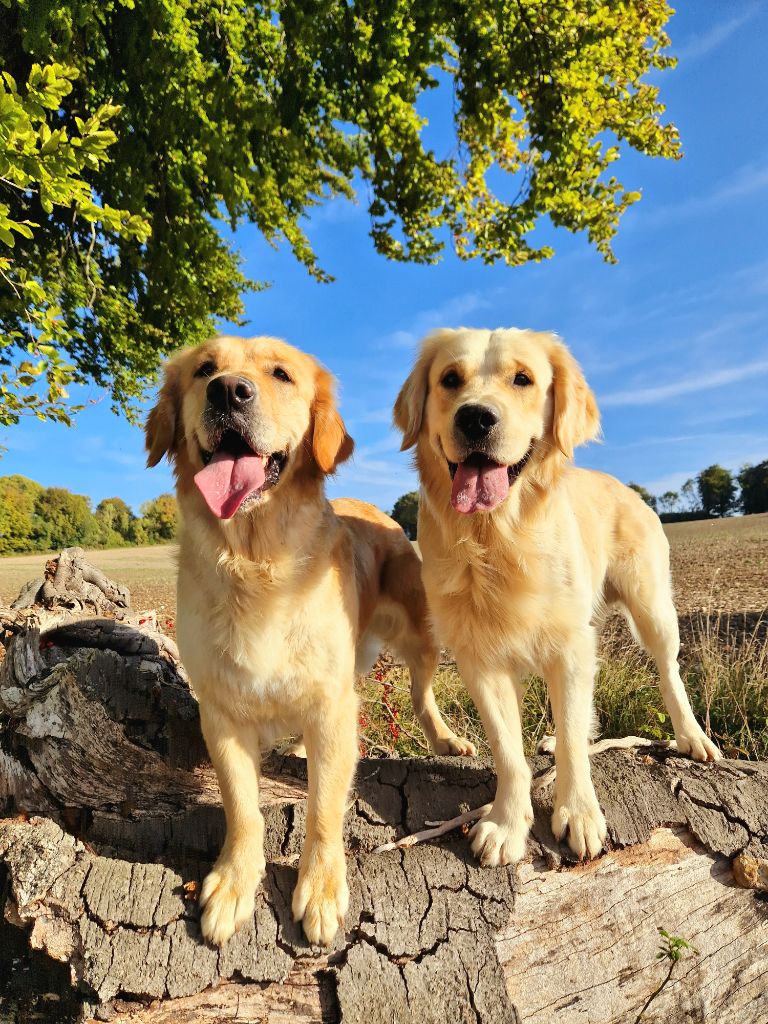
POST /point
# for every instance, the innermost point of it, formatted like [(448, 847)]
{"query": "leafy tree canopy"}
[(159, 518), (645, 494), (17, 506), (668, 501), (63, 518), (131, 131), (753, 481), (406, 513), (114, 519), (717, 490), (36, 518)]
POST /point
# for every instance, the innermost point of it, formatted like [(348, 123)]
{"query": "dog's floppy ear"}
[(161, 426), (331, 444), (576, 418), (409, 404)]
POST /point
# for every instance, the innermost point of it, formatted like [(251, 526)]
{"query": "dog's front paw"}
[(693, 741), (580, 816), (495, 843), (453, 746), (321, 897), (546, 745), (227, 897), (296, 749)]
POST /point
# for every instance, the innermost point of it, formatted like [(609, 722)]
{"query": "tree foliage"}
[(17, 509), (689, 496), (713, 493), (159, 518), (645, 494), (406, 513), (63, 518), (753, 481), (114, 519), (132, 132), (35, 518), (717, 490), (668, 501)]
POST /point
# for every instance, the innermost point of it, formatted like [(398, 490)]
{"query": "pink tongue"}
[(227, 481), (479, 488)]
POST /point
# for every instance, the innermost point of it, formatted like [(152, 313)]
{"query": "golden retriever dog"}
[(522, 555), (282, 599)]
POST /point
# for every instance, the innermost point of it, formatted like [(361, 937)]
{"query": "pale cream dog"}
[(522, 554), (282, 599)]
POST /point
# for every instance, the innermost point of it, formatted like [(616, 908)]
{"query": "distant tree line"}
[(714, 492), (36, 518)]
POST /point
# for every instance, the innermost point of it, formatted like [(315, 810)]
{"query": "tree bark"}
[(113, 817)]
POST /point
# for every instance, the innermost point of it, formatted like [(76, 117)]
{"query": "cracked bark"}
[(111, 807)]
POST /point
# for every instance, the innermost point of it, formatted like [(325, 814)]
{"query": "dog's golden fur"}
[(278, 607), (521, 588)]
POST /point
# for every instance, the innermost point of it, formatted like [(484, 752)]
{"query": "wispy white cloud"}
[(670, 481), (745, 181), (736, 439), (16, 439), (93, 447), (387, 445), (732, 456), (711, 416), (378, 480), (376, 416), (685, 385), (338, 210), (705, 42), (449, 314)]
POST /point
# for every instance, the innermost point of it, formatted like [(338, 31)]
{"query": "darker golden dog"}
[(282, 599)]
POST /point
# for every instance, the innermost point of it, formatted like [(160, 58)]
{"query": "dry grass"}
[(149, 573), (720, 569), (725, 673)]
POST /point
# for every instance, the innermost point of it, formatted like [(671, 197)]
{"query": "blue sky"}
[(674, 340)]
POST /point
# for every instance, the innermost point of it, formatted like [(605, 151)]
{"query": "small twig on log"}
[(439, 828)]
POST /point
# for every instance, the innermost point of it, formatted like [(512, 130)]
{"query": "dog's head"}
[(242, 415), (489, 407)]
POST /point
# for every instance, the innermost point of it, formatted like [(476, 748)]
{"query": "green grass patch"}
[(725, 671)]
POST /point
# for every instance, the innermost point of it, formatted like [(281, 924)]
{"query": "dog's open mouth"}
[(480, 484), (234, 472)]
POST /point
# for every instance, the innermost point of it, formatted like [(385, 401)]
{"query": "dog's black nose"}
[(229, 393), (476, 421)]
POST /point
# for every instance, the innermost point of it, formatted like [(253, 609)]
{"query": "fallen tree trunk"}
[(113, 817)]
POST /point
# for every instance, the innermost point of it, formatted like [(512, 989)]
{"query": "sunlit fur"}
[(278, 608), (522, 588)]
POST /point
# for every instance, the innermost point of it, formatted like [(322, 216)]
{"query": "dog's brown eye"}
[(451, 380), (280, 373), (522, 380), (206, 369)]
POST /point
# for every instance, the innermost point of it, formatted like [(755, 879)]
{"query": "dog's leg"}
[(227, 895), (500, 837), (441, 738), (571, 684), (656, 623), (321, 896), (296, 749)]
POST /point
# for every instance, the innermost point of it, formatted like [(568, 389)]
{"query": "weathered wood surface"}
[(103, 742), (70, 581)]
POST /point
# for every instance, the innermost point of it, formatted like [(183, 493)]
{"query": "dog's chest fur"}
[(263, 635), (510, 598)]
